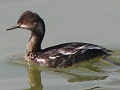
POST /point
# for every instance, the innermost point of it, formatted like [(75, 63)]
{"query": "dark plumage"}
[(62, 55)]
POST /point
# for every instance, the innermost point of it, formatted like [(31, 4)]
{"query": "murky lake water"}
[(89, 21)]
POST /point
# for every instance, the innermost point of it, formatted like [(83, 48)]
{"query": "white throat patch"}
[(23, 26)]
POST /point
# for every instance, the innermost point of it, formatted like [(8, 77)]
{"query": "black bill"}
[(13, 27)]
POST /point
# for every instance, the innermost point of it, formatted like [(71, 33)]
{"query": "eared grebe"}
[(62, 55)]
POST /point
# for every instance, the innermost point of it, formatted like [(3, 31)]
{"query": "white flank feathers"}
[(67, 52), (41, 60), (81, 47), (53, 57)]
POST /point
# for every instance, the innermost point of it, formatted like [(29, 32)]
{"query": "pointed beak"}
[(13, 27)]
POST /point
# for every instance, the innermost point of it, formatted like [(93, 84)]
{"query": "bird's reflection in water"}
[(34, 76), (81, 72)]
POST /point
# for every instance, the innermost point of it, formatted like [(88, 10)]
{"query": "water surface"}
[(90, 21)]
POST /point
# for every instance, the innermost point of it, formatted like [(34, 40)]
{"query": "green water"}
[(95, 74), (91, 21)]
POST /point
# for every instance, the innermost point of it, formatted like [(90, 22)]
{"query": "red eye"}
[(24, 23)]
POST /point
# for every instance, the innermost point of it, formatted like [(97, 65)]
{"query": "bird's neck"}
[(34, 44)]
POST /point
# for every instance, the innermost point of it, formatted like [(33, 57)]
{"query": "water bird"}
[(62, 55)]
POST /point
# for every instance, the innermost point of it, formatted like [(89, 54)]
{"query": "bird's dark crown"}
[(29, 20)]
